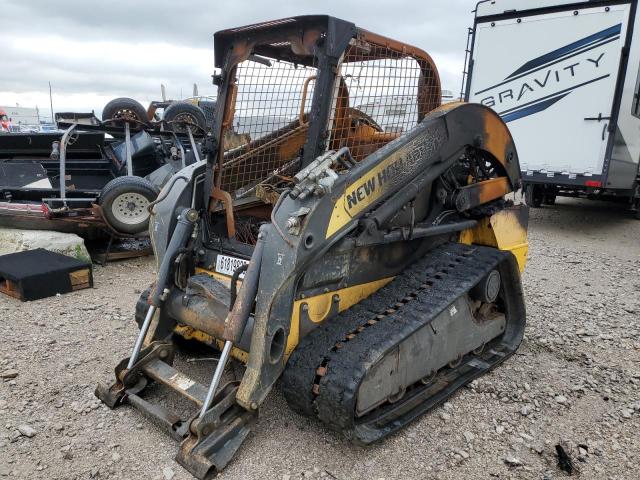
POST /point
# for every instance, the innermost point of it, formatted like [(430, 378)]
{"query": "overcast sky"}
[(93, 51)]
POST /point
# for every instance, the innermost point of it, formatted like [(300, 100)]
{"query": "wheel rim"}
[(182, 121), (130, 208), (126, 114)]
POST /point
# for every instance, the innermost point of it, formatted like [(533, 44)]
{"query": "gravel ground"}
[(574, 382)]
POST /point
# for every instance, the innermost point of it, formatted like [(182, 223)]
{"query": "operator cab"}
[(296, 89)]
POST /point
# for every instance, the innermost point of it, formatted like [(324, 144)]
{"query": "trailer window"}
[(635, 106)]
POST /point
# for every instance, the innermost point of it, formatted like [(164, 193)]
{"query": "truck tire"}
[(124, 202), (185, 112), (533, 196), (123, 108)]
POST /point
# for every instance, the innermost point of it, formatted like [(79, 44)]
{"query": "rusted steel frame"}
[(428, 68), (301, 44), (157, 414), (91, 214), (340, 130), (485, 191), (227, 121), (291, 128), (303, 100), (395, 45), (227, 201), (198, 313), (302, 40), (151, 111), (275, 141), (254, 157)]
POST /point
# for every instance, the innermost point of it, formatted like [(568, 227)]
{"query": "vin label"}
[(227, 265)]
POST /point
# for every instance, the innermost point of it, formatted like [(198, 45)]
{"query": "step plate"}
[(177, 381)]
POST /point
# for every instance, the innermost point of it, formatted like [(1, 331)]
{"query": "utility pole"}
[(51, 103)]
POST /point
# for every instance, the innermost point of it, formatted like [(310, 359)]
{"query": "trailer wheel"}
[(549, 199), (179, 115), (124, 202), (124, 108), (533, 196)]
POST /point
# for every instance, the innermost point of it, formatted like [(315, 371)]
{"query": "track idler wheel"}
[(488, 288)]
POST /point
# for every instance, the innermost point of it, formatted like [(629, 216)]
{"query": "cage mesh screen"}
[(380, 95), (268, 128)]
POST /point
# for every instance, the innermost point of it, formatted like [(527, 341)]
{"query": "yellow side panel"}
[(506, 230), (320, 306)]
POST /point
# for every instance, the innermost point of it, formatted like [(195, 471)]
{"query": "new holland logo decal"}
[(400, 165), (365, 191)]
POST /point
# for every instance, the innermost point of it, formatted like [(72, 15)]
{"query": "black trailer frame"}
[(70, 208)]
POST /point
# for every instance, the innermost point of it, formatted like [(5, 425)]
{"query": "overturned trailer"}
[(85, 181)]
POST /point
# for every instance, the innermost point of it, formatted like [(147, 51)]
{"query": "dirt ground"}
[(575, 382)]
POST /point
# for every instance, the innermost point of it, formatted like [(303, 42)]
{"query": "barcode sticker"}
[(227, 265)]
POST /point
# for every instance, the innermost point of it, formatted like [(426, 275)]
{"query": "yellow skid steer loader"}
[(353, 240)]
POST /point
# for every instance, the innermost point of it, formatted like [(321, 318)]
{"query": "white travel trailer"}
[(565, 77)]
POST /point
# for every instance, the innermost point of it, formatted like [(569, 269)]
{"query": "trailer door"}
[(552, 77)]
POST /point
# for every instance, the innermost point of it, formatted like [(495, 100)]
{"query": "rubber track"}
[(447, 271)]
